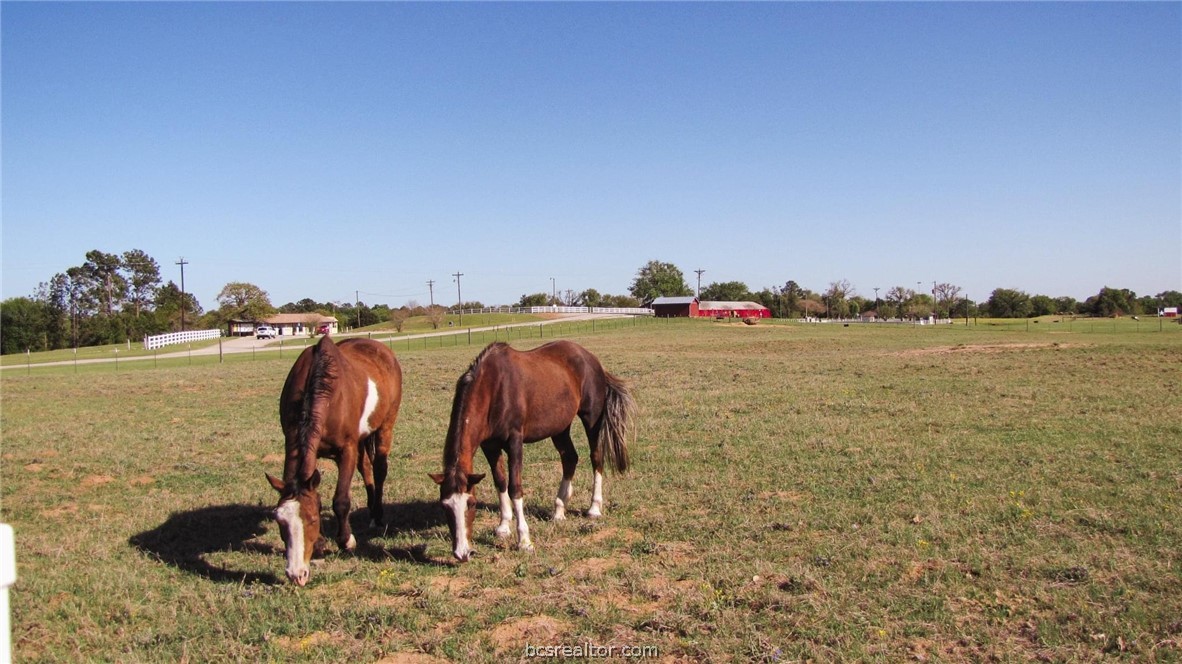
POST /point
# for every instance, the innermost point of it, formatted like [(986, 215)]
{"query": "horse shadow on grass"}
[(400, 518), (185, 538)]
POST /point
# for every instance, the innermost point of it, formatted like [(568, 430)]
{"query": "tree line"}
[(942, 300), (112, 298)]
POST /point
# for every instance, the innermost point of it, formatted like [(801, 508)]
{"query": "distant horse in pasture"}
[(508, 398), (339, 402)]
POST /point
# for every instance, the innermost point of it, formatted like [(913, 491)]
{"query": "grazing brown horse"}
[(508, 398), (340, 402)]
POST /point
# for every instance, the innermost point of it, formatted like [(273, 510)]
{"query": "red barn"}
[(675, 307), (733, 310)]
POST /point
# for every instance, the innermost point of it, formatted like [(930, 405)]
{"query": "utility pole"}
[(553, 291), (459, 298), (182, 262), (431, 287), (699, 294), (357, 305)]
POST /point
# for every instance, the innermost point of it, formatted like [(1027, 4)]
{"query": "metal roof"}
[(675, 300), (730, 306)]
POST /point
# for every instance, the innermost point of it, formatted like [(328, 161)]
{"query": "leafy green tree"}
[(243, 300), (1066, 305), (791, 296), (103, 278), (535, 300), (589, 298), (622, 301), (1170, 298), (657, 279), (946, 296), (1008, 303), (1113, 302), (168, 303), (963, 308), (142, 276), (728, 291), (1042, 305), (894, 303), (23, 324), (836, 298)]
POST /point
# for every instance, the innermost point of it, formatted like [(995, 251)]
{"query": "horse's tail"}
[(318, 391), (617, 423)]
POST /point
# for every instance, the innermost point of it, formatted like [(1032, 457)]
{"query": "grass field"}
[(957, 493)]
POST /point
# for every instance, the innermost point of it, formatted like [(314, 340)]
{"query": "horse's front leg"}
[(516, 452), (340, 501), (492, 452)]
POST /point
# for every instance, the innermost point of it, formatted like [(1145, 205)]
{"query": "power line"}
[(459, 298), (182, 262)]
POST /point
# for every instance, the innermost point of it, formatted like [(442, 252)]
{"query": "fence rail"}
[(161, 340), (554, 309)]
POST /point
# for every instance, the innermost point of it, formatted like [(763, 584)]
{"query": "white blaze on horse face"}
[(371, 404), (288, 516), (457, 504), (596, 496)]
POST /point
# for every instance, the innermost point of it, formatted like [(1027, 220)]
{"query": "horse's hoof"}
[(594, 513), (525, 546), (351, 544), (560, 516), (502, 532)]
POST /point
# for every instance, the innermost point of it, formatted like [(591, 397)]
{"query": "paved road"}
[(251, 345)]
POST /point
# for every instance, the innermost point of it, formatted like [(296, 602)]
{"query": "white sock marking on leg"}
[(596, 496)]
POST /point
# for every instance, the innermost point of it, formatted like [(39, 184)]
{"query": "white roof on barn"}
[(730, 306), (675, 300)]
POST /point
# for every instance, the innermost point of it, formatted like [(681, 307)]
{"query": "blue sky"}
[(321, 149)]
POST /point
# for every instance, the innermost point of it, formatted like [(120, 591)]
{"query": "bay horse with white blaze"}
[(339, 402), (508, 398)]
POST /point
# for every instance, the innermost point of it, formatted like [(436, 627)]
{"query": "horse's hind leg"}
[(596, 509), (570, 461), (374, 466), (492, 452)]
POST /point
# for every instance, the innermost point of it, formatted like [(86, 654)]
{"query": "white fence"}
[(554, 309), (161, 340), (632, 311)]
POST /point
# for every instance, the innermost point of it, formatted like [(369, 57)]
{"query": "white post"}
[(7, 578)]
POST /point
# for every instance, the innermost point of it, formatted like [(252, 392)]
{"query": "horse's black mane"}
[(450, 450), (318, 391)]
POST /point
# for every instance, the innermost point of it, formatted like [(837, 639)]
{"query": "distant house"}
[(675, 307), (1168, 312), (287, 325), (733, 310)]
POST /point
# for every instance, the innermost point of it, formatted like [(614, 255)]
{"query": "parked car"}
[(323, 329), (265, 332)]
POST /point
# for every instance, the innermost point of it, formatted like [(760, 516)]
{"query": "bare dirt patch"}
[(411, 658), (985, 348), (512, 636), (297, 644), (96, 480)]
